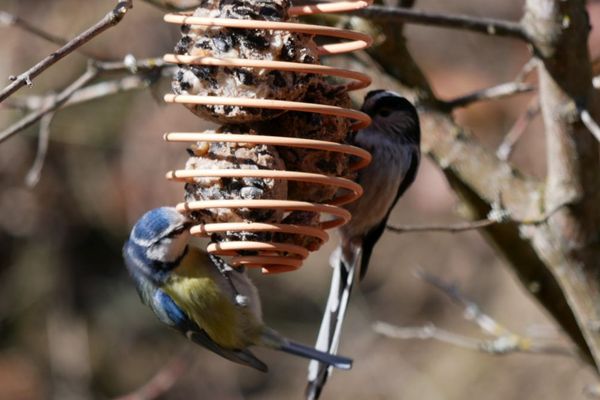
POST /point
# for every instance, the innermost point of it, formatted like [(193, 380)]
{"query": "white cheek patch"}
[(169, 249), (159, 250)]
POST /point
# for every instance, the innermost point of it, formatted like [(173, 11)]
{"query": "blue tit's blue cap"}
[(155, 224)]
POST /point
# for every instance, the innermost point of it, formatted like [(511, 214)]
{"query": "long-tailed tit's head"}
[(393, 114)]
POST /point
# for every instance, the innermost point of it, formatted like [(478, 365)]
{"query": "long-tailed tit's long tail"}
[(333, 318)]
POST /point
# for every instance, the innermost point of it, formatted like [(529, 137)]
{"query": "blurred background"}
[(72, 326)]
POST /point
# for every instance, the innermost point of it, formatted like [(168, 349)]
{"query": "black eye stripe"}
[(177, 231), (384, 112), (392, 103)]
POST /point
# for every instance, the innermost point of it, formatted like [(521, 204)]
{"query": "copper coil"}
[(274, 257)]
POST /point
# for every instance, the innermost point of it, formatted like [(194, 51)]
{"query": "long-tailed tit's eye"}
[(384, 112)]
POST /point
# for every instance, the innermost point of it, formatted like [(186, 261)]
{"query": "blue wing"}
[(168, 312), (171, 314)]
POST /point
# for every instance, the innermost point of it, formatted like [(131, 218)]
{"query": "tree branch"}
[(488, 26), (589, 122), (85, 94), (504, 341), (174, 5), (493, 93), (454, 228), (499, 346), (59, 100), (7, 19), (477, 176), (518, 129), (569, 244), (35, 172), (496, 216), (111, 19), (148, 70)]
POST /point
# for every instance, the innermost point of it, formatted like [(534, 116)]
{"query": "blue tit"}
[(197, 294), (393, 139)]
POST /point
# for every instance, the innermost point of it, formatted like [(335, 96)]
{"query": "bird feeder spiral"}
[(275, 256)]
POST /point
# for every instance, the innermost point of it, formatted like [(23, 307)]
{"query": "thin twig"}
[(132, 65), (111, 19), (492, 93), (472, 311), (35, 172), (168, 5), (592, 391), (164, 379), (518, 129), (147, 70), (7, 19), (473, 225), (590, 123), (596, 82), (85, 94), (527, 69), (503, 342), (455, 228), (497, 346), (60, 99), (429, 331), (489, 26)]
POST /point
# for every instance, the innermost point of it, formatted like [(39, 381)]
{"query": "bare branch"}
[(85, 94), (111, 19), (472, 311), (527, 69), (498, 346), (7, 19), (148, 70), (60, 99), (592, 391), (488, 26), (33, 176), (542, 256), (455, 228), (429, 331), (174, 5), (496, 92), (492, 93), (569, 243), (164, 379), (132, 65), (589, 122), (474, 225), (504, 341), (518, 129)]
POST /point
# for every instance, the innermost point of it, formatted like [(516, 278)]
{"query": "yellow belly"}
[(193, 288)]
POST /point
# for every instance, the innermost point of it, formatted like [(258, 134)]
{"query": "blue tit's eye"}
[(177, 232), (384, 112)]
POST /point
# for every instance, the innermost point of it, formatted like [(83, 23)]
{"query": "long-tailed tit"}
[(393, 139)]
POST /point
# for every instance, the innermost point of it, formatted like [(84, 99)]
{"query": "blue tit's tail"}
[(314, 354), (330, 332), (274, 340)]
